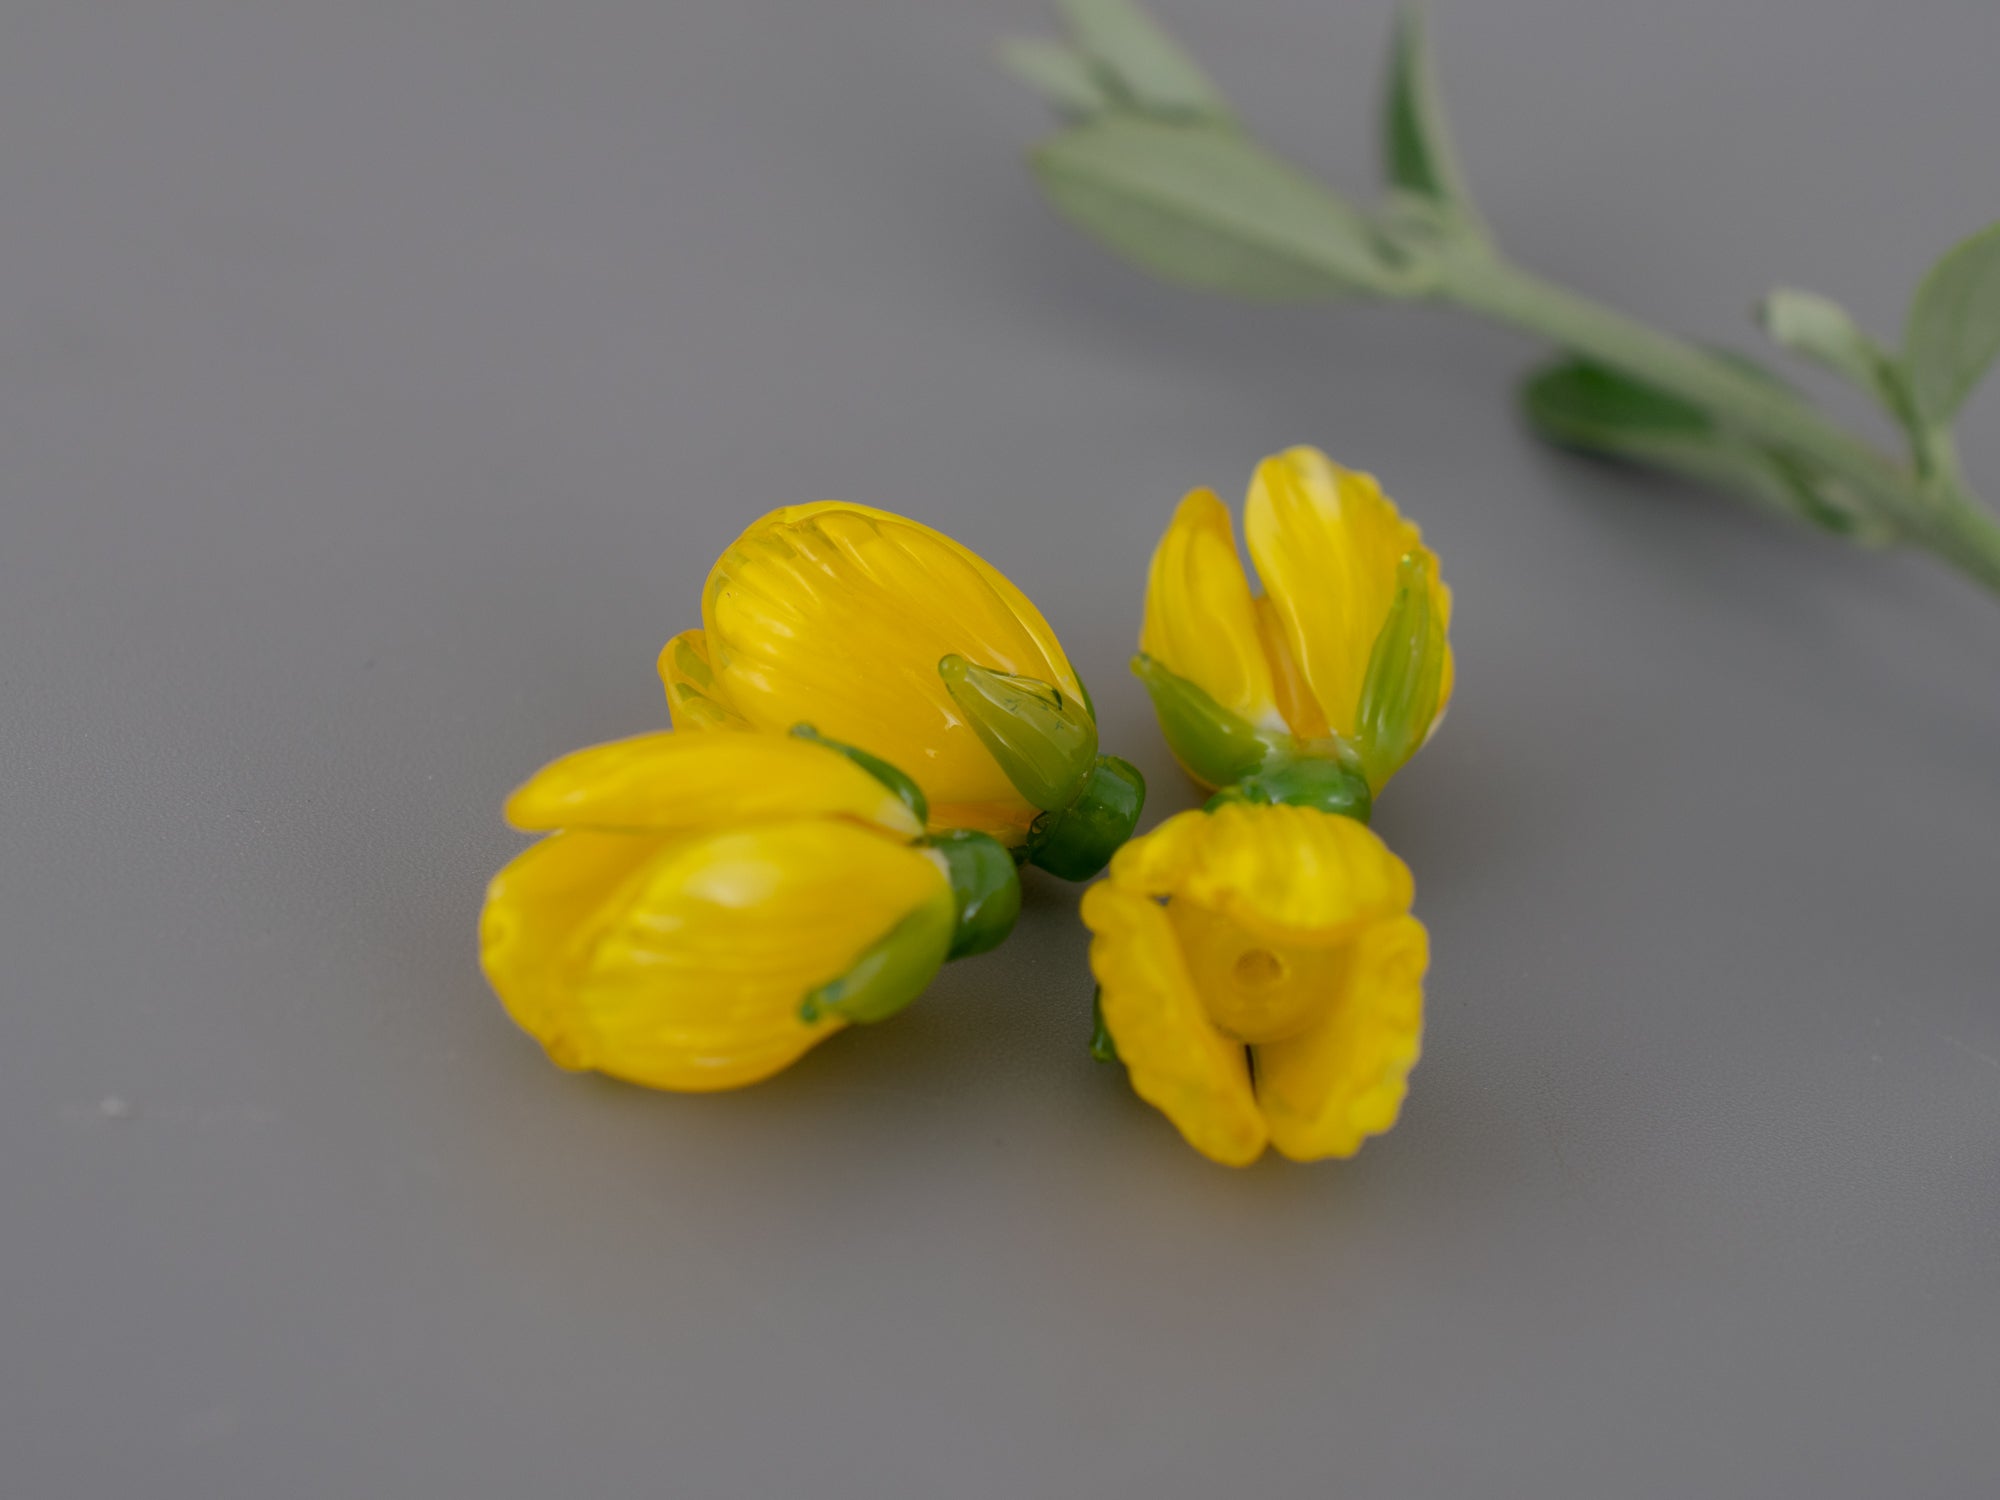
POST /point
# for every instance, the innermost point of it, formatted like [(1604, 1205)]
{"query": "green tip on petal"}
[(1077, 842), (1399, 695), (911, 795), (893, 972), (1046, 743), (1213, 743), (985, 889)]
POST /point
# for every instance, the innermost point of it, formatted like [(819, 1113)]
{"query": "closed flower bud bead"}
[(887, 635), (706, 908)]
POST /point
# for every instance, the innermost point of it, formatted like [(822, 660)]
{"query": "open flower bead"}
[(708, 907), (888, 635), (1345, 653), (1261, 978)]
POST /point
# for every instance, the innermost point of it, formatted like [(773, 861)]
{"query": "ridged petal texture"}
[(1299, 943), (1324, 1091), (676, 781), (1201, 621), (1327, 543), (837, 615), (692, 697), (1292, 873), (1178, 1062), (680, 961)]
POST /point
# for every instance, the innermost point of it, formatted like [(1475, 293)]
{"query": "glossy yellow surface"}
[(1262, 978), (1326, 543), (698, 888), (837, 615), (675, 781), (1201, 619)]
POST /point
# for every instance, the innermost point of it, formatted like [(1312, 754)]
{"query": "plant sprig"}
[(1153, 163)]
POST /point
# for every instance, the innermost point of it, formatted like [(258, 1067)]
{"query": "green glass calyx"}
[(1044, 741), (1079, 841), (985, 889), (1405, 678), (1214, 744), (1330, 781), (910, 794), (893, 972), (1103, 1046)]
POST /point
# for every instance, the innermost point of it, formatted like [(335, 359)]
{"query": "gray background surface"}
[(377, 382)]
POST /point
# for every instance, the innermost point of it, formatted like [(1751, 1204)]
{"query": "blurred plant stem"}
[(1154, 163)]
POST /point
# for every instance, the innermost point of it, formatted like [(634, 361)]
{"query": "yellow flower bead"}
[(1262, 978), (1328, 545), (838, 615), (698, 891)]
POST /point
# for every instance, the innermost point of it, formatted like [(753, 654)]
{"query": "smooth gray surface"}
[(378, 382)]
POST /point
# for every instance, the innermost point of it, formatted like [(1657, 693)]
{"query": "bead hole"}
[(1258, 968)]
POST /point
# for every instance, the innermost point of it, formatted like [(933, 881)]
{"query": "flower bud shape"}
[(1261, 978), (887, 635), (1344, 654), (706, 908)]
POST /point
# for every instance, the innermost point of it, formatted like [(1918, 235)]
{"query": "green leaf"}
[(1581, 404), (1063, 77), (1146, 65), (1954, 326), (1821, 330), (1416, 141), (1204, 205)]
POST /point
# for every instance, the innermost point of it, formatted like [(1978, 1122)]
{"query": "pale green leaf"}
[(1819, 329), (1204, 205), (1954, 326), (1063, 77), (1149, 66), (1416, 140)]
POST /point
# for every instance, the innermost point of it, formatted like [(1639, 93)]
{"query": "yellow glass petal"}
[(1201, 622), (543, 911), (1178, 1062), (690, 684), (1327, 542), (690, 974), (668, 781), (1296, 703), (1155, 864), (1327, 1089), (1294, 874), (837, 615), (1254, 989)]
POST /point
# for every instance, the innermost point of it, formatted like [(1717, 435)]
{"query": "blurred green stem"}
[(1756, 407), (1943, 517)]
